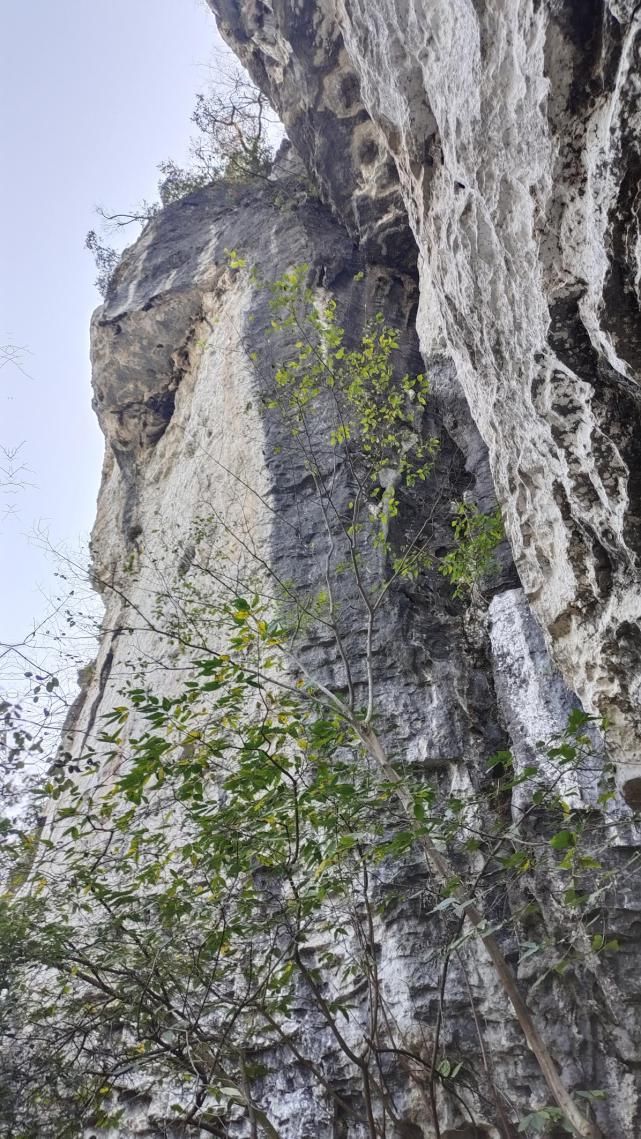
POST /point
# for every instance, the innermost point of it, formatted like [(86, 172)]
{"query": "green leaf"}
[(563, 839), (500, 759)]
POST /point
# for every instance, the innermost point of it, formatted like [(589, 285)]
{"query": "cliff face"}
[(479, 164), (182, 358), (504, 139)]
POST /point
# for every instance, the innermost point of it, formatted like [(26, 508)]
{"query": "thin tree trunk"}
[(585, 1128)]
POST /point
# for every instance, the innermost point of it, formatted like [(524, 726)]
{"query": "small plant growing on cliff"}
[(236, 127), (476, 538), (376, 423), (234, 143), (106, 258)]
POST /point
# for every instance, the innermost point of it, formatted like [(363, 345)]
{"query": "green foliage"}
[(375, 405), (106, 258), (229, 871), (476, 537), (377, 420), (177, 181), (538, 1122), (233, 841), (233, 145), (279, 815)]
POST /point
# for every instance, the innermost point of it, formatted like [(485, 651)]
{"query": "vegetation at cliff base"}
[(221, 859)]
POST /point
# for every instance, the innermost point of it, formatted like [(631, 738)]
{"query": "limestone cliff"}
[(500, 142), (478, 166)]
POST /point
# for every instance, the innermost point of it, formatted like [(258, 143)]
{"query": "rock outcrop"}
[(506, 137), (181, 357), (478, 163)]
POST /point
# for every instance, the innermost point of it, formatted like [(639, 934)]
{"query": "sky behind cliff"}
[(94, 96)]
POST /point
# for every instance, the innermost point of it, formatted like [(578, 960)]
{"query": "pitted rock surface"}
[(511, 134), (181, 358)]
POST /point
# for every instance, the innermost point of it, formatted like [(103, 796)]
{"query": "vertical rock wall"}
[(180, 354), (479, 162), (505, 135)]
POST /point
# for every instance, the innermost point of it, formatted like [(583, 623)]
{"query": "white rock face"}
[(180, 355), (171, 459), (488, 149), (512, 131)]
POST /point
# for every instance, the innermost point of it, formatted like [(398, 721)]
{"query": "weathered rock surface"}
[(506, 137), (181, 357), (479, 160)]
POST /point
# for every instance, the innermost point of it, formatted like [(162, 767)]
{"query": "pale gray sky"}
[(93, 96)]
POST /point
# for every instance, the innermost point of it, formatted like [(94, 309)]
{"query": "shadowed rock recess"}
[(478, 162)]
